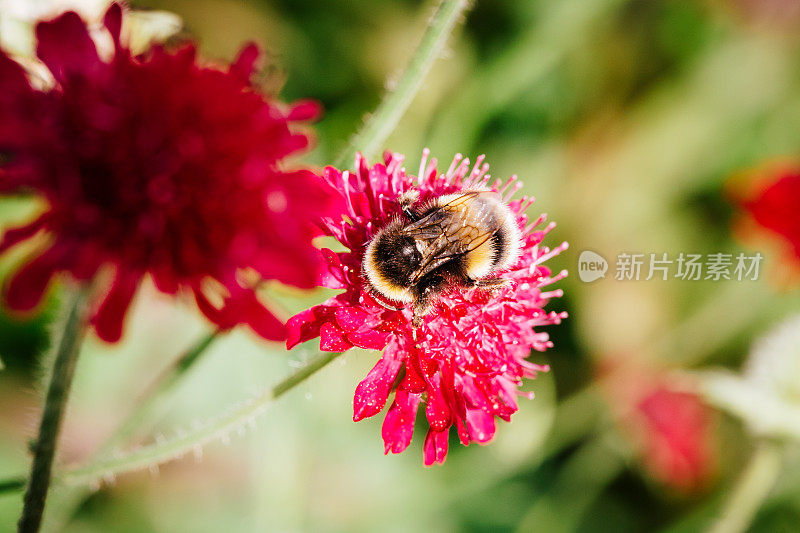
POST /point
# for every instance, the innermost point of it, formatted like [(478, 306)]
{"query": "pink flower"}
[(155, 165), (675, 428), (469, 358), (668, 423)]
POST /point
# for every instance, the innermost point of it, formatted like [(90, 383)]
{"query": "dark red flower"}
[(469, 355), (156, 165)]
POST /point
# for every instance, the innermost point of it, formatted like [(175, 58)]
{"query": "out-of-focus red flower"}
[(670, 425), (775, 207), (155, 165), (768, 196), (469, 356), (676, 427)]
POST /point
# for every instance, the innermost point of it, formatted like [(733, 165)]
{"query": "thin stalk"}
[(220, 428), (55, 403), (149, 410), (752, 489), (383, 122), (154, 402), (12, 484)]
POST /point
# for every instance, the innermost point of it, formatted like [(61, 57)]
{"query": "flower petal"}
[(306, 325), (263, 322), (64, 61), (373, 391), (370, 339), (303, 110), (481, 425), (245, 63), (437, 411), (332, 339), (398, 426), (435, 448), (12, 78), (112, 20), (15, 236), (26, 288), (110, 316)]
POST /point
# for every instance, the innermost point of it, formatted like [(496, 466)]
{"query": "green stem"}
[(751, 490), (381, 124), (192, 441), (12, 484), (57, 393), (150, 409)]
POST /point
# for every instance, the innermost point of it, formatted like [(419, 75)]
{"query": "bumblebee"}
[(452, 241)]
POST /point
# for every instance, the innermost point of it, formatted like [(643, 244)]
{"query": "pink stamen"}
[(422, 165), (551, 253)]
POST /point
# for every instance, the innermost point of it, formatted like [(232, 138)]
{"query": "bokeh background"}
[(628, 120)]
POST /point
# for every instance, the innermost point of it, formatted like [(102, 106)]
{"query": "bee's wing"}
[(449, 231)]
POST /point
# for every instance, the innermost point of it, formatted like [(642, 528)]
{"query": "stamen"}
[(517, 186), (558, 293), (552, 253), (422, 165), (508, 183), (456, 161), (553, 279), (535, 223)]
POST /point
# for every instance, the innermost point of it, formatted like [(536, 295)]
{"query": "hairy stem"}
[(154, 402), (55, 402), (381, 124), (751, 490), (221, 427), (148, 411)]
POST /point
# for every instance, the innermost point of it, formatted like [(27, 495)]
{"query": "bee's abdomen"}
[(499, 251)]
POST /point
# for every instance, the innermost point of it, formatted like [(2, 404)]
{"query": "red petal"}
[(398, 426), (245, 63), (435, 448), (306, 325), (437, 412), (303, 110), (413, 381), (64, 45), (370, 339), (265, 324), (211, 312), (373, 391), (351, 318), (113, 21), (481, 425), (14, 236), (26, 288), (332, 339), (111, 314), (12, 78)]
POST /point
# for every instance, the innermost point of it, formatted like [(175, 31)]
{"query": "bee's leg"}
[(426, 293), (407, 201), (490, 284), (421, 308)]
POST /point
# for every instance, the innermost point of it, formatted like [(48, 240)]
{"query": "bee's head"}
[(390, 262)]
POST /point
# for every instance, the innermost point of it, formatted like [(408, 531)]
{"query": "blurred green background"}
[(624, 118)]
